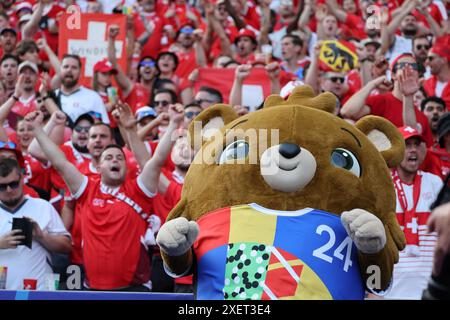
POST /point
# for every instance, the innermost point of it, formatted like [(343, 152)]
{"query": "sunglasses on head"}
[(337, 79), (80, 129), (162, 103), (422, 46), (95, 115), (191, 114), (8, 145), (13, 185)]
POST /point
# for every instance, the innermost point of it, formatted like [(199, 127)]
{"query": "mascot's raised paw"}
[(365, 229), (177, 236)]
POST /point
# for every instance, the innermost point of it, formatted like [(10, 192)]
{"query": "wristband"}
[(15, 98)]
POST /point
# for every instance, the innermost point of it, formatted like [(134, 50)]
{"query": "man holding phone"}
[(48, 233)]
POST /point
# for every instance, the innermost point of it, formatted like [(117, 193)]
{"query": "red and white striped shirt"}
[(414, 268)]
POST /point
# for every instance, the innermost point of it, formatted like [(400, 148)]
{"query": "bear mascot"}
[(287, 202)]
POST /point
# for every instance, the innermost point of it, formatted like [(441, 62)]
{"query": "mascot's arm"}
[(376, 254), (175, 239)]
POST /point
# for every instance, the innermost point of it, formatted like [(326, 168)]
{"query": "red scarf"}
[(409, 216)]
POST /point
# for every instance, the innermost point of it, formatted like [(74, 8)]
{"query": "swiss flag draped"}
[(86, 35), (256, 86)]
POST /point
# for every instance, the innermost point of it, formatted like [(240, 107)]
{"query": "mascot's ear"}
[(386, 138), (208, 122)]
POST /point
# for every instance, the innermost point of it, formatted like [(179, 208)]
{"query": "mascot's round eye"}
[(234, 151), (344, 159)]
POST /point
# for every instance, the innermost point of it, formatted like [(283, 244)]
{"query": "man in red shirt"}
[(396, 106), (113, 220), (28, 77), (439, 62), (437, 160), (246, 45)]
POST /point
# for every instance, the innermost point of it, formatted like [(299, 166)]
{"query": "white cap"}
[(28, 64)]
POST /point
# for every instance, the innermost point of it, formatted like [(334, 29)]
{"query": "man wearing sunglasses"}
[(48, 235), (438, 60), (398, 105), (191, 110)]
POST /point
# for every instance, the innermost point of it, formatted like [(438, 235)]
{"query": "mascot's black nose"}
[(289, 150)]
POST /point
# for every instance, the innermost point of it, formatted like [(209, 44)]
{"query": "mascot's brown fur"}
[(308, 122)]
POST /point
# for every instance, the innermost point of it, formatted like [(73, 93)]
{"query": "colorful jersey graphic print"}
[(249, 252)]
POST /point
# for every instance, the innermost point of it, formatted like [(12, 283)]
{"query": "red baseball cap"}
[(409, 132), (244, 32), (441, 47), (104, 66), (11, 146), (403, 55)]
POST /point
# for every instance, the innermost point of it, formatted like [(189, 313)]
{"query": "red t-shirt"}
[(187, 64), (114, 256), (429, 86), (22, 108), (153, 45), (36, 173), (437, 161), (216, 49), (355, 26), (391, 108), (180, 17), (139, 95)]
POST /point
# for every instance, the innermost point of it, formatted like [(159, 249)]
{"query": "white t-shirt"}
[(440, 86), (412, 272), (82, 101), (22, 262), (401, 45)]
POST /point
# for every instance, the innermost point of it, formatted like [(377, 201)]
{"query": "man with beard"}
[(421, 46), (394, 45), (416, 191), (49, 234), (438, 60), (8, 41), (74, 99), (26, 102), (437, 160), (433, 108)]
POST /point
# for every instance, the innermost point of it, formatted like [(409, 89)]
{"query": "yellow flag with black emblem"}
[(338, 56)]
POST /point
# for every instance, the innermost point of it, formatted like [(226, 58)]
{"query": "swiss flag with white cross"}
[(89, 40)]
